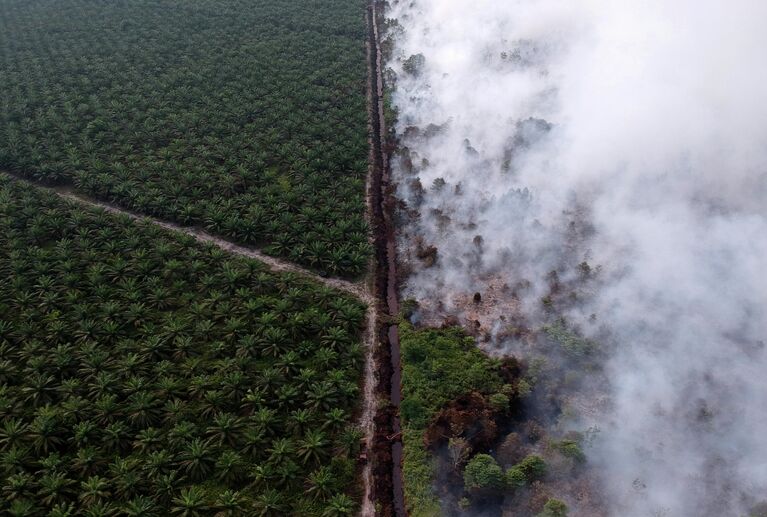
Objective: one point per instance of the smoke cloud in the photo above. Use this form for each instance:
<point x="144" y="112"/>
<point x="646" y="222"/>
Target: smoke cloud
<point x="541" y="134"/>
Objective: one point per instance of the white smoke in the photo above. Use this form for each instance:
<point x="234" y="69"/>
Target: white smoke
<point x="649" y="120"/>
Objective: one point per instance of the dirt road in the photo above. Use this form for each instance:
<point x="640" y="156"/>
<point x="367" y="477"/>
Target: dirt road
<point x="379" y="421"/>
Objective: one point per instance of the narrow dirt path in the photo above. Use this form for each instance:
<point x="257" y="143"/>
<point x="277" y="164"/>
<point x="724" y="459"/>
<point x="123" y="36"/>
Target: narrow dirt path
<point x="360" y="290"/>
<point x="385" y="480"/>
<point x="377" y="423"/>
<point x="369" y="403"/>
<point x="356" y="289"/>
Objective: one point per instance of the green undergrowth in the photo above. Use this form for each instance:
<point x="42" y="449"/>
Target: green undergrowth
<point x="438" y="365"/>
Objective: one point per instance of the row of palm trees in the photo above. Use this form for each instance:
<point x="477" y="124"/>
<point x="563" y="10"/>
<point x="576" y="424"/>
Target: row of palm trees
<point x="247" y="120"/>
<point x="144" y="374"/>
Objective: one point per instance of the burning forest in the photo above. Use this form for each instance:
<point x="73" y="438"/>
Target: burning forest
<point x="582" y="212"/>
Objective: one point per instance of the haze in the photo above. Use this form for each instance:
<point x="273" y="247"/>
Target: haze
<point x="645" y="124"/>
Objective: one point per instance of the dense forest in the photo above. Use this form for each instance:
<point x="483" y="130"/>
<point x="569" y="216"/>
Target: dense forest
<point x="143" y="374"/>
<point x="245" y="118"/>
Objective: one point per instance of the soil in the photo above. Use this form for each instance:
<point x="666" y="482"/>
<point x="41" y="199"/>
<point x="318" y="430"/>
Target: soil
<point x="468" y="416"/>
<point x="387" y="491"/>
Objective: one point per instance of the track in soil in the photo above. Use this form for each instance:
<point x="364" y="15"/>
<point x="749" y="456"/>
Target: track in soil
<point x="369" y="408"/>
<point x="387" y="486"/>
<point x="382" y="474"/>
<point x="356" y="289"/>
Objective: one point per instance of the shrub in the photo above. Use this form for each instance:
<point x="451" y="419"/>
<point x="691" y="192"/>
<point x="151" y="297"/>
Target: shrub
<point x="533" y="467"/>
<point x="499" y="402"/>
<point x="414" y="64"/>
<point x="515" y="478"/>
<point x="430" y="380"/>
<point x="554" y="508"/>
<point x="413" y="412"/>
<point x="459" y="449"/>
<point x="574" y="345"/>
<point x="571" y="449"/>
<point x="523" y="388"/>
<point x="483" y="472"/>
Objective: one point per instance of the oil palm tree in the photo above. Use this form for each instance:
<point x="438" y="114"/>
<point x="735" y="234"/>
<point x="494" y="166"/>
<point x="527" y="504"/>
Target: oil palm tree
<point x="39" y="390"/>
<point x="54" y="487"/>
<point x="93" y="491"/>
<point x="229" y="468"/>
<point x="226" y="429"/>
<point x="23" y="508"/>
<point x="270" y="503"/>
<point x="229" y="387"/>
<point x="253" y="442"/>
<point x="13" y="432"/>
<point x="18" y="486"/>
<point x="196" y="460"/>
<point x="140" y="506"/>
<point x="158" y="463"/>
<point x="103" y="509"/>
<point x="229" y="503"/>
<point x="322" y="483"/>
<point x="143" y="409"/>
<point x="190" y="503"/>
<point x="335" y="419"/>
<point x="321" y="396"/>
<point x="148" y="440"/>
<point x="88" y="460"/>
<point x="62" y="510"/>
<point x="340" y="505"/>
<point x="45" y="431"/>
<point x="312" y="449"/>
<point x="166" y="487"/>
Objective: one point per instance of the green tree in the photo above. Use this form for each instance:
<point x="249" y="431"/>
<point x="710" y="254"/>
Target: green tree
<point x="196" y="460"/>
<point x="229" y="503"/>
<point x="553" y="508"/>
<point x="483" y="472"/>
<point x="321" y="483"/>
<point x="533" y="467"/>
<point x="270" y="503"/>
<point x="93" y="491"/>
<point x="339" y="505"/>
<point x="571" y="449"/>
<point x="190" y="503"/>
<point x="499" y="402"/>
<point x="313" y="447"/>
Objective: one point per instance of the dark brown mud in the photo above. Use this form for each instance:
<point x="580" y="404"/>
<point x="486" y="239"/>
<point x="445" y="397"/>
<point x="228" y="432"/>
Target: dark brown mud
<point x="388" y="490"/>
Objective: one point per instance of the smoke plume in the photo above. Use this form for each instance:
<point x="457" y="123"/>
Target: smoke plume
<point x="538" y="135"/>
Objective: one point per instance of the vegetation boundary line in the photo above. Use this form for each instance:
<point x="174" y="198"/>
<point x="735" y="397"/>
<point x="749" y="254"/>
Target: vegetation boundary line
<point x="387" y="492"/>
<point x="357" y="289"/>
